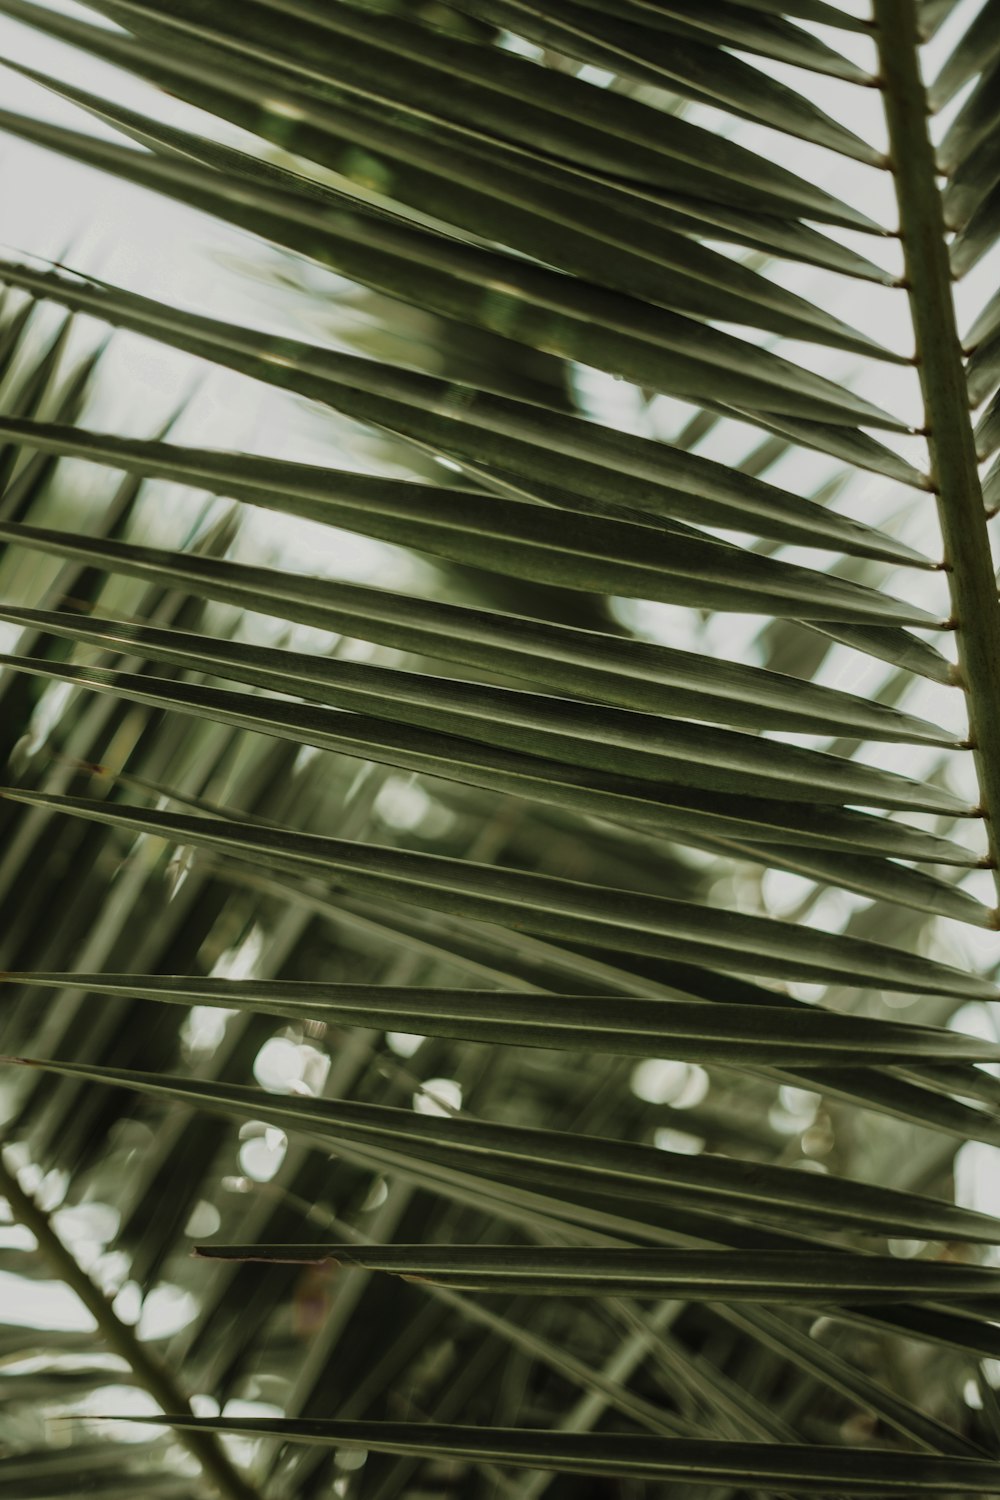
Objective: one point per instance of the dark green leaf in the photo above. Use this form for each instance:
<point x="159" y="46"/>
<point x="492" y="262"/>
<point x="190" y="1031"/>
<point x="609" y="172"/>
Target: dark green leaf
<point x="718" y="1033"/>
<point x="717" y="1275"/>
<point x="552" y="907"/>
<point x="567" y="1165"/>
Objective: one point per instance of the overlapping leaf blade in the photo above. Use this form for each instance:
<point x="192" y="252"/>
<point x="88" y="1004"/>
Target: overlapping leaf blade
<point x="740" y="1035"/>
<point x="816" y="1470"/>
<point x="552" y="907"/>
<point x="565" y="1165"/>
<point x="760" y="1276"/>
<point x="584" y="204"/>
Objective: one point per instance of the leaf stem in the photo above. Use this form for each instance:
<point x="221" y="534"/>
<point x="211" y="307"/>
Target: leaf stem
<point x="122" y="1339"/>
<point x="950" y="441"/>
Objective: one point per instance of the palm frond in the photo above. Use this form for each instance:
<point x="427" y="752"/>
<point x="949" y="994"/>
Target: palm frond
<point x="500" y="679"/>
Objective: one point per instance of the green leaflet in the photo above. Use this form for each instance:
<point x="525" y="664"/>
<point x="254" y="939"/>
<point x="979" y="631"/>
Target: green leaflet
<point x="497" y="94"/>
<point x="100" y="1466"/>
<point x="681" y="808"/>
<point x="898" y="647"/>
<point x="715" y="1033"/>
<point x="744" y="27"/>
<point x="585" y="207"/>
<point x="975" y="50"/>
<point x="983" y="368"/>
<point x="974" y="123"/>
<point x="851" y="445"/>
<point x="475" y="426"/>
<point x="675" y="811"/>
<point x="485" y="184"/>
<point x="496" y="955"/>
<point x="970" y="183"/>
<point x="991" y="487"/>
<point x="564" y="660"/>
<point x="536" y="216"/>
<point x="518" y="1207"/>
<point x="877" y="879"/>
<point x="979" y="230"/>
<point x="573" y="1165"/>
<point x="817" y="1470"/>
<point x="620" y="743"/>
<point x="552" y="907"/>
<point x="603" y="1213"/>
<point x="932" y="14"/>
<point x="978" y="234"/>
<point x="503" y="294"/>
<point x="501" y="532"/>
<point x="729" y="578"/>
<point x="708" y="1275"/>
<point x="618" y="37"/>
<point x="988" y="429"/>
<point x="781" y="1333"/>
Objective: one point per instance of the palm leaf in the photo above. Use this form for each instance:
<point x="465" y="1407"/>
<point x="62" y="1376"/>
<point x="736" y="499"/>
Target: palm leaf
<point x="441" y="745"/>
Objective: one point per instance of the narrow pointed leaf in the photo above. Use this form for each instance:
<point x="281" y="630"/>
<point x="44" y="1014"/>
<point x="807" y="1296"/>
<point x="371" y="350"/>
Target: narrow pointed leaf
<point x="706" y="1275"/>
<point x="488" y="531"/>
<point x="851" y="445"/>
<point x="553" y="907"/>
<point x="502" y="294"/>
<point x="675" y="811"/>
<point x="571" y="1164"/>
<point x="535" y="212"/>
<point x="818" y="1361"/>
<point x="976" y="49"/>
<point x="750" y="27"/>
<point x="983" y="368"/>
<point x="484" y="184"/>
<point x="570" y="662"/>
<point x="615" y="741"/>
<point x="497" y="93"/>
<point x="715" y="1033"/>
<point x="466" y="424"/>
<point x="764" y="582"/>
<point x="842" y="1471"/>
<point x="619" y="37"/>
<point x="879" y="880"/>
<point x="898" y="647"/>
